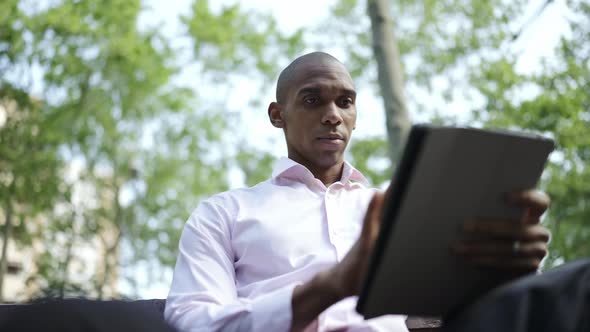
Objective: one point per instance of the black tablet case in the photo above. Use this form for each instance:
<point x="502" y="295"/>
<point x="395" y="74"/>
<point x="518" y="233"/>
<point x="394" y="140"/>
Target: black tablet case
<point x="446" y="176"/>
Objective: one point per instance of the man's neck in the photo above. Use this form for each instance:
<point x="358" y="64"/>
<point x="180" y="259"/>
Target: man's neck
<point x="327" y="175"/>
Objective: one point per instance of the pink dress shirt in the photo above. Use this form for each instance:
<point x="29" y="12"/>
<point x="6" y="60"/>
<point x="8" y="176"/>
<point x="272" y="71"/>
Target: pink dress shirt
<point x="242" y="252"/>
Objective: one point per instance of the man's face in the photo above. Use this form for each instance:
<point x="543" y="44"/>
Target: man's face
<point x="319" y="114"/>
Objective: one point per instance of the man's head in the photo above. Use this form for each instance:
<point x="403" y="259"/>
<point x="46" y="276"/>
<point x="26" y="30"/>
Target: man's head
<point x="316" y="109"/>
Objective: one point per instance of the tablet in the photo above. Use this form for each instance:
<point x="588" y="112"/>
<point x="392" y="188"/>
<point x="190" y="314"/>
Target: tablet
<point x="446" y="176"/>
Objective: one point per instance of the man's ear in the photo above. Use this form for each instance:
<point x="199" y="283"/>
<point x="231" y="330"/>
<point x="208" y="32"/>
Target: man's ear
<point x="275" y="114"/>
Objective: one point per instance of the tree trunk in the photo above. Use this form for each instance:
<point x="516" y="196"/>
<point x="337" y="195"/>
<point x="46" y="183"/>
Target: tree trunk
<point x="66" y="263"/>
<point x="111" y="251"/>
<point x="110" y="262"/>
<point x="391" y="83"/>
<point x="390" y="77"/>
<point x="6" y="235"/>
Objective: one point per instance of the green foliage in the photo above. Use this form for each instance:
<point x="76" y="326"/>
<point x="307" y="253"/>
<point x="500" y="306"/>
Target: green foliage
<point x="437" y="40"/>
<point x="29" y="162"/>
<point x="106" y="89"/>
<point x="234" y="43"/>
<point x="255" y="164"/>
<point x="111" y="77"/>
<point x="558" y="106"/>
<point x="370" y="156"/>
<point x="29" y="182"/>
<point x="235" y="40"/>
<point x="175" y="175"/>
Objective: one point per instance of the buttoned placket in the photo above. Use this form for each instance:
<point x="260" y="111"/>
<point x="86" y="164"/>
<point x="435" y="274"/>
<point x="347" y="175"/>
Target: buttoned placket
<point x="333" y="218"/>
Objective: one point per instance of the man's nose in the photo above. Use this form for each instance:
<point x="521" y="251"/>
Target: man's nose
<point x="332" y="115"/>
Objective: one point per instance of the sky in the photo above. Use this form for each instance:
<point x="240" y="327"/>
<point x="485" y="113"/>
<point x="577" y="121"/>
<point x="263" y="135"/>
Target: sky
<point x="538" y="41"/>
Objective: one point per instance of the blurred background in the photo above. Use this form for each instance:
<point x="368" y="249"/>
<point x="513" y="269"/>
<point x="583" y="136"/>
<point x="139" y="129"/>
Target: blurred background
<point x="118" y="116"/>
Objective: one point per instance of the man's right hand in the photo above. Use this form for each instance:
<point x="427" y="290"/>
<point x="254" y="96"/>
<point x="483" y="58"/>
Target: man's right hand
<point x="344" y="279"/>
<point x="347" y="276"/>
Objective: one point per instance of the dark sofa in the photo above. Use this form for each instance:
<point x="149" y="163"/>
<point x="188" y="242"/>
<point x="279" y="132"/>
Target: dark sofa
<point x="86" y="315"/>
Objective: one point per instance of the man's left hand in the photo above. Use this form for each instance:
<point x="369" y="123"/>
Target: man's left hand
<point x="518" y="246"/>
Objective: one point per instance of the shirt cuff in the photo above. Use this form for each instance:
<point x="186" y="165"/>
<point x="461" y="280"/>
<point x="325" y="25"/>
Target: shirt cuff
<point x="273" y="311"/>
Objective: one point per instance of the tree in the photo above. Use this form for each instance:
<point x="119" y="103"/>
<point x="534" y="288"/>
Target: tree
<point x="389" y="73"/>
<point x="239" y="41"/>
<point x="29" y="163"/>
<point x="558" y="108"/>
<point x="29" y="184"/>
<point x="236" y="43"/>
<point x="104" y="82"/>
<point x="112" y="78"/>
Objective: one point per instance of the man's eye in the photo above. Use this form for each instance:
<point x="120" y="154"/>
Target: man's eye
<point x="310" y="100"/>
<point x="345" y="102"/>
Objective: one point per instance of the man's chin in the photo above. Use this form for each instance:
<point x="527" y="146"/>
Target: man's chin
<point x="329" y="159"/>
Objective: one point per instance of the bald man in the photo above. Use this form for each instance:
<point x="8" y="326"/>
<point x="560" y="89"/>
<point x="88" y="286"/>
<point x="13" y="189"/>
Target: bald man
<point x="289" y="253"/>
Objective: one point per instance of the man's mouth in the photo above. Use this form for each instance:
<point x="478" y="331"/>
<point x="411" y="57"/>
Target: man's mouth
<point x="332" y="142"/>
<point x="331" y="137"/>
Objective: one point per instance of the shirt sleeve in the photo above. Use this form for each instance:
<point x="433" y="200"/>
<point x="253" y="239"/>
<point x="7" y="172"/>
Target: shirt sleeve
<point x="203" y="294"/>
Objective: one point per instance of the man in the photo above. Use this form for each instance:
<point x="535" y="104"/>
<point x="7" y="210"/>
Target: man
<point x="286" y="254"/>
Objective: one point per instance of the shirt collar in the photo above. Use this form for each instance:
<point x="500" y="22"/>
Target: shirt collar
<point x="289" y="168"/>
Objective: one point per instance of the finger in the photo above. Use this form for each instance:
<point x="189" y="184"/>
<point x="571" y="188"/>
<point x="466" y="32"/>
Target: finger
<point x="500" y="249"/>
<point x="516" y="264"/>
<point x="534" y="202"/>
<point x="510" y="231"/>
